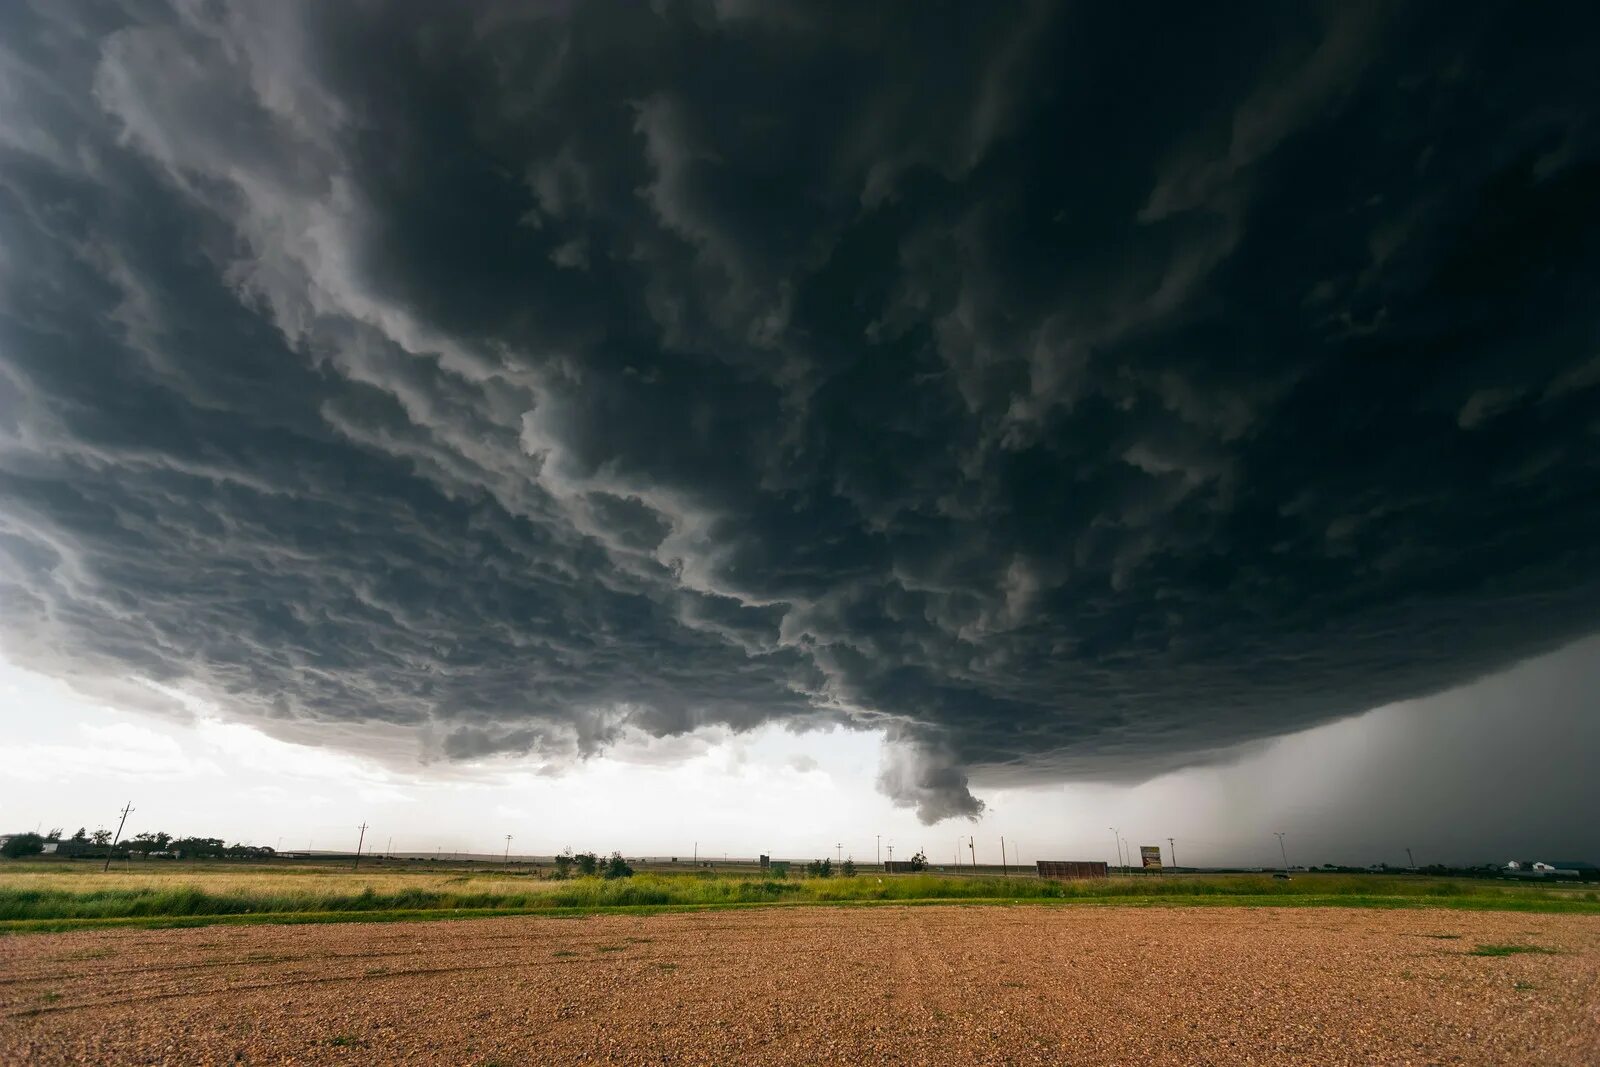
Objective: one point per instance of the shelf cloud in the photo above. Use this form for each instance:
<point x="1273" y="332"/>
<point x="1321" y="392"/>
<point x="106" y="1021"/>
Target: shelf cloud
<point x="1067" y="393"/>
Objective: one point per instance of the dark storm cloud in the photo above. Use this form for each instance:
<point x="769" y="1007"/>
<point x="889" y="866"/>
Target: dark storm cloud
<point x="1065" y="392"/>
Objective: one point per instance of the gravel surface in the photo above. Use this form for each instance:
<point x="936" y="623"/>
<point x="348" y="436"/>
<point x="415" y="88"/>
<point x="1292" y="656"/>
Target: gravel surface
<point x="959" y="985"/>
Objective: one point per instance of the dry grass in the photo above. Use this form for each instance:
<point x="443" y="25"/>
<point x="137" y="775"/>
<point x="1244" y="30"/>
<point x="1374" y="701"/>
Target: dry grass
<point x="254" y="880"/>
<point x="63" y="894"/>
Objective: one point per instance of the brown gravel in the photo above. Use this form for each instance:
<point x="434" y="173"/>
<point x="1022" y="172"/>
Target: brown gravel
<point x="1023" y="985"/>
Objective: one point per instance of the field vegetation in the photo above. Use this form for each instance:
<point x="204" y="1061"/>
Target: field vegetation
<point x="44" y="895"/>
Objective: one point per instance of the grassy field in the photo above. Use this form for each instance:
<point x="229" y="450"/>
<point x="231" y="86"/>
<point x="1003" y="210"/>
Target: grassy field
<point x="57" y="895"/>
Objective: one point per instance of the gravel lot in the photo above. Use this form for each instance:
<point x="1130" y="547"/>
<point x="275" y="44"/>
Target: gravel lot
<point x="953" y="985"/>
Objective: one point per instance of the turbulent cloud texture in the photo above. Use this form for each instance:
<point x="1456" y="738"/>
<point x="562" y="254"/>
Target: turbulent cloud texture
<point x="1062" y="391"/>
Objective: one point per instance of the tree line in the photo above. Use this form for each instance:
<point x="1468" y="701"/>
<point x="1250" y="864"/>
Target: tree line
<point x="144" y="844"/>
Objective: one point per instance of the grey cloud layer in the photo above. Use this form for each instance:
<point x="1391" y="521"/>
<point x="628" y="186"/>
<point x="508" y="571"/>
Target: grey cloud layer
<point x="1063" y="396"/>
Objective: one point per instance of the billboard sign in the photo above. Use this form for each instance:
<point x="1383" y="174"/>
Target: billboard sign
<point x="1150" y="855"/>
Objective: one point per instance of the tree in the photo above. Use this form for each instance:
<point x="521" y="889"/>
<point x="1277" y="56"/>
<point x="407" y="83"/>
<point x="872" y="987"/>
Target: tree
<point x="820" y="868"/>
<point x="564" y="864"/>
<point x="54" y="834"/>
<point x="848" y="868"/>
<point x="616" y="867"/>
<point x="82" y="835"/>
<point x="148" y="842"/>
<point x="102" y="837"/>
<point x="191" y="847"/>
<point x="588" y="863"/>
<point x="19" y="845"/>
<point x="919" y="862"/>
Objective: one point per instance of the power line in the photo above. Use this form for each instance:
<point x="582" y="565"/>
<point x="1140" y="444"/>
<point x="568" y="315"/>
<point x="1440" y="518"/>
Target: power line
<point x="126" y="808"/>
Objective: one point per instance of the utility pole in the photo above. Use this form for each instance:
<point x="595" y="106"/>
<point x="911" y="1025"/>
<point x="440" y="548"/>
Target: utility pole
<point x="1116" y="836"/>
<point x="880" y="850"/>
<point x="1284" y="851"/>
<point x="838" y="853"/>
<point x="972" y="847"/>
<point x="1409" y="858"/>
<point x="697" y="853"/>
<point x="1172" y="850"/>
<point x="1005" y="872"/>
<point x="389" y="847"/>
<point x="508" y="850"/>
<point x="359" y="841"/>
<point x="118" y="836"/>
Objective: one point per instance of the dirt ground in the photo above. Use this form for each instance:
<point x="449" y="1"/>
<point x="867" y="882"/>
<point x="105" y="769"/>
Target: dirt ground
<point x="958" y="985"/>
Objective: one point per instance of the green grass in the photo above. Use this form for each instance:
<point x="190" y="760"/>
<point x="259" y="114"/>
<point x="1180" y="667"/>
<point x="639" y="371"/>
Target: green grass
<point x="77" y="897"/>
<point x="1510" y="950"/>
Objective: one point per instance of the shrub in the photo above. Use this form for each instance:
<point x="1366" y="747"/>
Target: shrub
<point x="820" y="868"/>
<point x="616" y="867"/>
<point x="848" y="868"/>
<point x="588" y="863"/>
<point x="564" y="864"/>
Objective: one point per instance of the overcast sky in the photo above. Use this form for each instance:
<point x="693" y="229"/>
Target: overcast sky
<point x="752" y="415"/>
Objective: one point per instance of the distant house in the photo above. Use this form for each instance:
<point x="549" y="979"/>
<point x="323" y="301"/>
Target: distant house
<point x="1553" y="869"/>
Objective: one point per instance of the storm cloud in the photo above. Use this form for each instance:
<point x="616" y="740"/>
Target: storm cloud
<point x="1066" y="392"/>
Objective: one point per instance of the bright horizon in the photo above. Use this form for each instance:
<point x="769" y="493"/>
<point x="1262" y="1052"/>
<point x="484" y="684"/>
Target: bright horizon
<point x="75" y="762"/>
